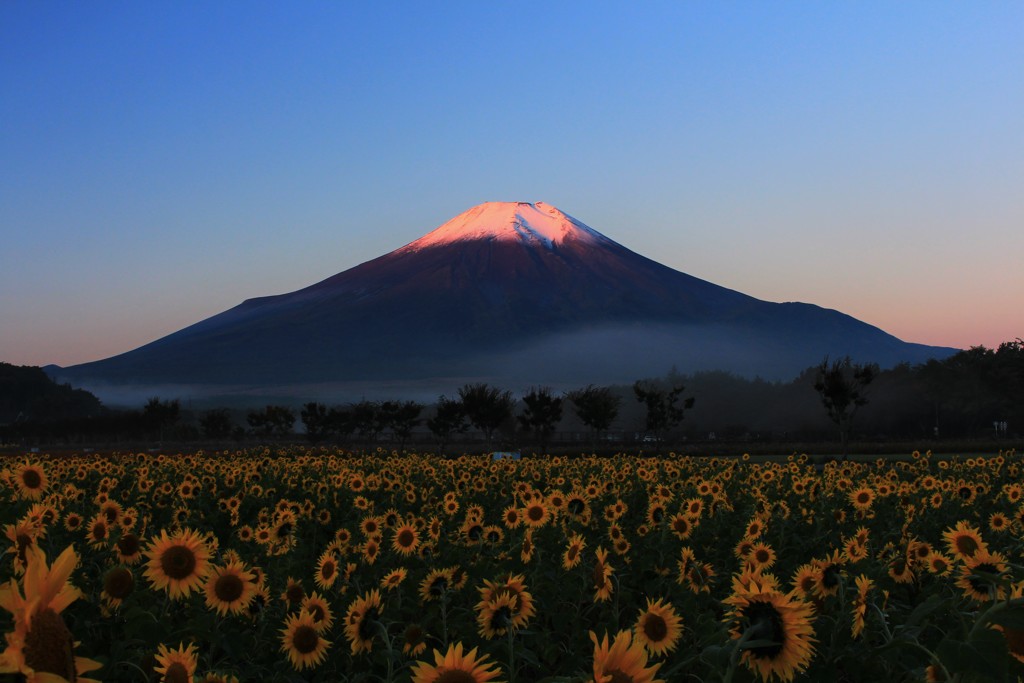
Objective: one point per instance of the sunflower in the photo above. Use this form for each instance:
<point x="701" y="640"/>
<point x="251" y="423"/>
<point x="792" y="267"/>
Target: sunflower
<point x="414" y="640"/>
<point x="602" y="575"/>
<point x="573" y="552"/>
<point x="860" y="604"/>
<point x="511" y="517"/>
<point x="293" y="592"/>
<point x="176" y="666"/>
<point x="230" y="588"/>
<point x="804" y="580"/>
<point x="999" y="522"/>
<point x="406" y="540"/>
<point x="527" y="548"/>
<point x="31" y="481"/>
<point x="658" y="628"/>
<point x="623" y="660"/>
<point x="761" y="556"/>
<point x="939" y="564"/>
<point x="177" y="563"/>
<point x="23" y="535"/>
<point x="494" y="616"/>
<point x="979" y="576"/>
<point x="764" y="614"/>
<point x="326" y="570"/>
<point x="362" y="620"/>
<point x="522" y="610"/>
<point x="317" y="606"/>
<point x="682" y="526"/>
<point x="964" y="541"/>
<point x="41" y="648"/>
<point x="435" y="585"/>
<point x="862" y="498"/>
<point x="536" y="513"/>
<point x="118" y="584"/>
<point x="826" y="579"/>
<point x="1014" y="636"/>
<point x="128" y="548"/>
<point x="302" y="642"/>
<point x="394" y="578"/>
<point x="98" y="531"/>
<point x="455" y="666"/>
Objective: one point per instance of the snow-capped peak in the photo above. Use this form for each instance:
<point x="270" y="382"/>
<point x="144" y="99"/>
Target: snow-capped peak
<point x="509" y="221"/>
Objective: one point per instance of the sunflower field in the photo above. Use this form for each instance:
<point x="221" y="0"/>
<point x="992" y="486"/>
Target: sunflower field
<point x="317" y="564"/>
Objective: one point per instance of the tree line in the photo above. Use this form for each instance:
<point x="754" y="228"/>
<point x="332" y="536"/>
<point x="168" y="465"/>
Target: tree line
<point x="974" y="393"/>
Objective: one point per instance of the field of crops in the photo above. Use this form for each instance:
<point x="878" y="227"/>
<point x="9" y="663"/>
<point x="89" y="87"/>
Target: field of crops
<point x="322" y="565"/>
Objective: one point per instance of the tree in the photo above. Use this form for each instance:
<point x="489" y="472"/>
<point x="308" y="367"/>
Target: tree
<point x="271" y="421"/>
<point x="842" y="386"/>
<point x="541" y="415"/>
<point x="367" y="419"/>
<point x="663" y="413"/>
<point x="596" y="407"/>
<point x="159" y="415"/>
<point x="317" y="420"/>
<point x="449" y="420"/>
<point x="216" y="424"/>
<point x="402" y="418"/>
<point x="486" y="407"/>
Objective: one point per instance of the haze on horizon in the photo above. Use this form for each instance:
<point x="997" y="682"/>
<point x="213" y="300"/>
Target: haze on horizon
<point x="162" y="163"/>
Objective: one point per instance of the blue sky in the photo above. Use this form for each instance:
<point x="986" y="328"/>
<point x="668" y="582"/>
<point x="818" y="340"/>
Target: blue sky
<point x="163" y="161"/>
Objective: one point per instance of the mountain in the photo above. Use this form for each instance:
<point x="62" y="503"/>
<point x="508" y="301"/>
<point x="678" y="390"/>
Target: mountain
<point x="508" y="292"/>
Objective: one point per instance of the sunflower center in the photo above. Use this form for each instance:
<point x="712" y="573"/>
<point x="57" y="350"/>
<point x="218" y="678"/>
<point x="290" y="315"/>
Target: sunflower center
<point x="128" y="544"/>
<point x="305" y="639"/>
<point x="367" y="622"/>
<point x="406" y="538"/>
<point x="655" y="628"/>
<point x="48" y="646"/>
<point x="118" y="583"/>
<point x="599" y="575"/>
<point x="657" y="514"/>
<point x="294" y="593"/>
<point x="23" y="541"/>
<point x="576" y="506"/>
<point x="455" y="676"/>
<point x="830" y="576"/>
<point x="178" y="562"/>
<point x="767" y="622"/>
<point x="328" y="570"/>
<point x="31" y="479"/>
<point x="228" y="588"/>
<point x="978" y="584"/>
<point x="413" y="634"/>
<point x="176" y="673"/>
<point x="99" y="531"/>
<point x="619" y="676"/>
<point x="966" y="545"/>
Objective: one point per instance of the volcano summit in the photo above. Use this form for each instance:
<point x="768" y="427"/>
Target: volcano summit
<point x="508" y="292"/>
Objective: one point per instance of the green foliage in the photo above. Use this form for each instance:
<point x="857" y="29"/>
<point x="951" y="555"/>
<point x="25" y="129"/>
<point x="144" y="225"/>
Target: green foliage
<point x="542" y="413"/>
<point x="663" y="410"/>
<point x="486" y="407"/>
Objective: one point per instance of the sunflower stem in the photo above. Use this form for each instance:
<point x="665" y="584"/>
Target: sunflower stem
<point x="511" y="656"/>
<point x="734" y="658"/>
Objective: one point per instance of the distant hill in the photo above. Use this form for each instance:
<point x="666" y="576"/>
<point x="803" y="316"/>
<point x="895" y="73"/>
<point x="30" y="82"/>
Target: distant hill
<point x="509" y="292"/>
<point x="28" y="394"/>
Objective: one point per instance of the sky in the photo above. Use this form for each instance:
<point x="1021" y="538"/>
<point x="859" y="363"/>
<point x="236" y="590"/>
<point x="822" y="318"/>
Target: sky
<point x="161" y="162"/>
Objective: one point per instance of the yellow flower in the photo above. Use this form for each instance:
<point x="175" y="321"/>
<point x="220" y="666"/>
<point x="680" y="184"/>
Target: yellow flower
<point x="622" y="660"/>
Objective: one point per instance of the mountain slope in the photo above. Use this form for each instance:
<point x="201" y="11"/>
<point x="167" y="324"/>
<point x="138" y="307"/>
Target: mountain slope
<point x="503" y="284"/>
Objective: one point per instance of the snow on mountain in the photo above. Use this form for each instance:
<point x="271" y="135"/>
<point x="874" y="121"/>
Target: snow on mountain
<point x="509" y="221"/>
